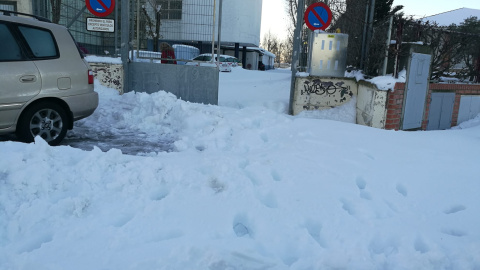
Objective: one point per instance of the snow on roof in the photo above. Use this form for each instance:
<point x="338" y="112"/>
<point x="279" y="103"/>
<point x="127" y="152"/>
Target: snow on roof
<point x="455" y="16"/>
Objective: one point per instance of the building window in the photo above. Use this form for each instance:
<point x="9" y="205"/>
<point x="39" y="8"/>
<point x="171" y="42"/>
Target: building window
<point x="8" y="5"/>
<point x="170" y="9"/>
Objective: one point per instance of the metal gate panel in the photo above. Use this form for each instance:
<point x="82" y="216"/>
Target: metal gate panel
<point x="189" y="83"/>
<point x="469" y="108"/>
<point x="416" y="90"/>
<point x="441" y="110"/>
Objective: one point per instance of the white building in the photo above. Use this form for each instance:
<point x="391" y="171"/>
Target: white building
<point x="187" y="20"/>
<point x="240" y="23"/>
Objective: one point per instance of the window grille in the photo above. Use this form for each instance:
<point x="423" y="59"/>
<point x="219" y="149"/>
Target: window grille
<point x="8" y="5"/>
<point x="170" y="9"/>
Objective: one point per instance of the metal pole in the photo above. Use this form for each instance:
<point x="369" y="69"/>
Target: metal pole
<point x="219" y="47"/>
<point x="364" y="37"/>
<point x="370" y="28"/>
<point x="124" y="42"/>
<point x="138" y="27"/>
<point x="296" y="51"/>
<point x="389" y="36"/>
<point x="213" y="30"/>
<point x="116" y="31"/>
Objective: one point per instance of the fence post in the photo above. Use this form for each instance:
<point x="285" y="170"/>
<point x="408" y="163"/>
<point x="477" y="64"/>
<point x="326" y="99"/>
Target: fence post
<point x="125" y="42"/>
<point x="219" y="47"/>
<point x="296" y="51"/>
<point x="389" y="36"/>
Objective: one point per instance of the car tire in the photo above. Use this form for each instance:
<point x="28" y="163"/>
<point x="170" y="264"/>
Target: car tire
<point x="47" y="120"/>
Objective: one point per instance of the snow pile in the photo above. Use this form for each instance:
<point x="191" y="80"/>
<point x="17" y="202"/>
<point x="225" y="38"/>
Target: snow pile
<point x="470" y="123"/>
<point x="103" y="59"/>
<point x="387" y="82"/>
<point x="246" y="187"/>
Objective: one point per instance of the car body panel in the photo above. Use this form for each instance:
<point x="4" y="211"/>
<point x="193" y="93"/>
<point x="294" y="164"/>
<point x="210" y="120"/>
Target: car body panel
<point x="82" y="105"/>
<point x="63" y="77"/>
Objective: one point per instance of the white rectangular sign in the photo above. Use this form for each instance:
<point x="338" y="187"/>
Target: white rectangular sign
<point x="100" y="25"/>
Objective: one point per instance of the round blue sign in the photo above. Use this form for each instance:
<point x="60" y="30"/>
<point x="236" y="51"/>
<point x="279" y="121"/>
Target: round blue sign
<point x="318" y="16"/>
<point x="100" y="8"/>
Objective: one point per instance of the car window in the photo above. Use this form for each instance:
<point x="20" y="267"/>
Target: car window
<point x="222" y="59"/>
<point x="40" y="41"/>
<point x="10" y="50"/>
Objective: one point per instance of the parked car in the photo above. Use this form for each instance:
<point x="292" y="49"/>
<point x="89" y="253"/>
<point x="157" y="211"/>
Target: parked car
<point x="45" y="82"/>
<point x="185" y="52"/>
<point x="231" y="60"/>
<point x="206" y="60"/>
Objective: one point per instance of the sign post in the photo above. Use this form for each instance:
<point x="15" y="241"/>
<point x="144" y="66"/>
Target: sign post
<point x="318" y="16"/>
<point x="100" y="8"/>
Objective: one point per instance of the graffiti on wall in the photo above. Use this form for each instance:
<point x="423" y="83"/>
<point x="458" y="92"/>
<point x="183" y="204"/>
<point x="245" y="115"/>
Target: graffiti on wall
<point x="109" y="75"/>
<point x="317" y="93"/>
<point x="330" y="88"/>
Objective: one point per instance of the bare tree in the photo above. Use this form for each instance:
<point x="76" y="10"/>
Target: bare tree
<point x="56" y="8"/>
<point x="349" y="17"/>
<point x="455" y="49"/>
<point x="470" y="49"/>
<point x="271" y="43"/>
<point x="152" y="15"/>
<point x="286" y="51"/>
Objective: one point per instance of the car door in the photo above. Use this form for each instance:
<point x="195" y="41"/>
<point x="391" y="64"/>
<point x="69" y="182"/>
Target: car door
<point x="19" y="77"/>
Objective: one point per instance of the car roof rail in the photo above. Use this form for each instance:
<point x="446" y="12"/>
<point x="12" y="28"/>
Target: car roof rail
<point x="9" y="13"/>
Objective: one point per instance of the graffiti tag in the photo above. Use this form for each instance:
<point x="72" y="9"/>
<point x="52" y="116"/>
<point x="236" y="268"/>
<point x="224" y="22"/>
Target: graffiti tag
<point x="319" y="87"/>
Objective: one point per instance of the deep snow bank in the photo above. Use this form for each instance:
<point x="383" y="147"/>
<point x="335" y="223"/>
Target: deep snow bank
<point x="247" y="187"/>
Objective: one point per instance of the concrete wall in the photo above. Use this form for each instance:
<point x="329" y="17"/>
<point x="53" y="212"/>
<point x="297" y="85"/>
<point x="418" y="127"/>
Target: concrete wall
<point x="189" y="83"/>
<point x="318" y="93"/>
<point x="371" y="105"/>
<point x="109" y="75"/>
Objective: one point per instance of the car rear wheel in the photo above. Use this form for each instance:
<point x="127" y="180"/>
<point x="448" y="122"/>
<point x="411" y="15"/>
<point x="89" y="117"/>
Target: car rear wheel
<point x="47" y="120"/>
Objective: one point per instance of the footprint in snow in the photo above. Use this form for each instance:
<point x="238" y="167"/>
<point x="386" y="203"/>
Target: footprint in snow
<point x="402" y="190"/>
<point x="454" y="209"/>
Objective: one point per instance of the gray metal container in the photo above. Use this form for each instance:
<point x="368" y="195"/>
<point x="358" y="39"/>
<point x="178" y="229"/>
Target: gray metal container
<point x="328" y="54"/>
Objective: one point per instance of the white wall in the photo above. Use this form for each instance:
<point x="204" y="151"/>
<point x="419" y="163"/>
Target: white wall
<point x="241" y="22"/>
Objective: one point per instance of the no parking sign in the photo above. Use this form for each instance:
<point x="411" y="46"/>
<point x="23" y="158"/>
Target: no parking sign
<point x="318" y="16"/>
<point x="100" y="8"/>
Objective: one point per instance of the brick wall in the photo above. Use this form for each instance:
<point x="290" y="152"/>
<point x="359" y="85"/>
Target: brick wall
<point x="395" y="107"/>
<point x="396" y="98"/>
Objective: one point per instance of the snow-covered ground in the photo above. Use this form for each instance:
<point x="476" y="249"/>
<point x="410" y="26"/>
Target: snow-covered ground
<point x="243" y="186"/>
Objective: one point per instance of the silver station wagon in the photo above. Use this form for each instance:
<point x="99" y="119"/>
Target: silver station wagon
<point x="45" y="82"/>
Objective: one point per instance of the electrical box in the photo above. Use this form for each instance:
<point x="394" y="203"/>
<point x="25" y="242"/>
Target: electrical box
<point x="328" y="54"/>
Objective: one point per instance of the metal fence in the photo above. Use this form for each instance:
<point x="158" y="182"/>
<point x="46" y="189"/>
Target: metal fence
<point x="73" y="14"/>
<point x="188" y="24"/>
